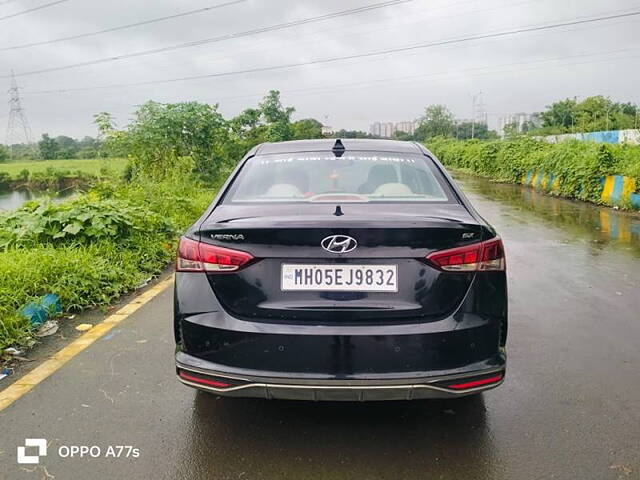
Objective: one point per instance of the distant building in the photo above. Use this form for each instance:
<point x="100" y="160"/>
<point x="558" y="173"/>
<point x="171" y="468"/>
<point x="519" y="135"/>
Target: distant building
<point x="407" y="127"/>
<point x="388" y="129"/>
<point x="519" y="120"/>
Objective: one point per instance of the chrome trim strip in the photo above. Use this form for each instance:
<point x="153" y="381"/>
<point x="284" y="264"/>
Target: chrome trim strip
<point x="410" y="387"/>
<point x="268" y="386"/>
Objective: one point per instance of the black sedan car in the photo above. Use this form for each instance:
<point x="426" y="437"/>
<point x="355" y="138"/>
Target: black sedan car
<point x="341" y="270"/>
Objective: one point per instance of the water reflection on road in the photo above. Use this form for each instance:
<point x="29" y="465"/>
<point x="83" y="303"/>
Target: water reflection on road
<point x="602" y="226"/>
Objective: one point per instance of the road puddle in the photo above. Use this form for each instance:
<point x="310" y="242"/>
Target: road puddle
<point x="599" y="225"/>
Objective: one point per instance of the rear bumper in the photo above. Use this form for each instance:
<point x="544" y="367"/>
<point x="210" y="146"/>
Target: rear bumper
<point x="340" y="352"/>
<point x="213" y="378"/>
<point x="347" y="361"/>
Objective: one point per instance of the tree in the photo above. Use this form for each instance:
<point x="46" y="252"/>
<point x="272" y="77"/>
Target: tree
<point x="88" y="147"/>
<point x="110" y="142"/>
<point x="306" y="128"/>
<point x="48" y="147"/>
<point x="105" y="122"/>
<point x="436" y="121"/>
<point x="400" y="135"/>
<point x="528" y="126"/>
<point x="352" y="134"/>
<point x="4" y="153"/>
<point x="270" y="122"/>
<point x="466" y="130"/>
<point x="560" y="114"/>
<point x="276" y="117"/>
<point x="511" y="130"/>
<point x="593" y="113"/>
<point x="170" y="139"/>
<point x="67" y="147"/>
<point x="590" y="115"/>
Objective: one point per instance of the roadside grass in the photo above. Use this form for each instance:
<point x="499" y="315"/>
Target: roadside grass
<point x="87" y="166"/>
<point x="91" y="256"/>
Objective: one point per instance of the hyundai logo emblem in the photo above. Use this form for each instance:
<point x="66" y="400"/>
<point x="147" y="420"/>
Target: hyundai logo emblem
<point x="339" y="244"/>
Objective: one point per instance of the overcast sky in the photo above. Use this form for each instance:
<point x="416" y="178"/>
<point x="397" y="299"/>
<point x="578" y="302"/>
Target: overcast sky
<point x="522" y="72"/>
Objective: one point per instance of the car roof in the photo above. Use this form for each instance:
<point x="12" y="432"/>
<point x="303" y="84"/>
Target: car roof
<point x="326" y="144"/>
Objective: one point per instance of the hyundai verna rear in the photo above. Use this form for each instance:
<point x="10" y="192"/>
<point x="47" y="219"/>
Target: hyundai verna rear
<point x="341" y="270"/>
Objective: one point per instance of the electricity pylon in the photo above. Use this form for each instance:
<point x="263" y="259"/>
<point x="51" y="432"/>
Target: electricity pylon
<point x="18" y="130"/>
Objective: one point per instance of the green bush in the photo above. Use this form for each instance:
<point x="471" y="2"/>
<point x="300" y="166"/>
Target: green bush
<point x="578" y="166"/>
<point x="93" y="249"/>
<point x="23" y="176"/>
<point x="85" y="220"/>
<point x="4" y="153"/>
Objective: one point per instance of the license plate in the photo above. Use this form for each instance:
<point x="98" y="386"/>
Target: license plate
<point x="340" y="278"/>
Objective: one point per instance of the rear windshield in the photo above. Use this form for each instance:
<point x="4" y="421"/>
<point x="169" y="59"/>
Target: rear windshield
<point x="354" y="177"/>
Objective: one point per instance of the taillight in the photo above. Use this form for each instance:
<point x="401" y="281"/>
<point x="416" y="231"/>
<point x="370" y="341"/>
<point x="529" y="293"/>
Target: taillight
<point x="196" y="256"/>
<point x="478" y="257"/>
<point x="203" y="381"/>
<point x="476" y="383"/>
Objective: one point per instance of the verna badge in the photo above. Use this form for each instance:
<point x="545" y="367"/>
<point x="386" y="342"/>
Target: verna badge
<point x="339" y="244"/>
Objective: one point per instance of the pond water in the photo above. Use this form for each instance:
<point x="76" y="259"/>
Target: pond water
<point x="13" y="199"/>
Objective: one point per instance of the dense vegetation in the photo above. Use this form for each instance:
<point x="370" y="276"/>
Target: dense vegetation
<point x="50" y="148"/>
<point x="439" y="121"/>
<point x="92" y="249"/>
<point x="592" y="114"/>
<point x="578" y="166"/>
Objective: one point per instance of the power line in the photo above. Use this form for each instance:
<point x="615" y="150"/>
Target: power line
<point x="353" y="56"/>
<point x="46" y="5"/>
<point x="200" y="10"/>
<point x="122" y="27"/>
<point x="466" y="73"/>
<point x="229" y="36"/>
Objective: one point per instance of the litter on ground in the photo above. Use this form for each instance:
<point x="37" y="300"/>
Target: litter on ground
<point x="48" y="328"/>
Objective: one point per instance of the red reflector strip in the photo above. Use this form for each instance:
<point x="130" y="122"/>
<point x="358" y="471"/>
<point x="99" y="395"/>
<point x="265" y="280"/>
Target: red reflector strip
<point x="476" y="383"/>
<point x="204" y="381"/>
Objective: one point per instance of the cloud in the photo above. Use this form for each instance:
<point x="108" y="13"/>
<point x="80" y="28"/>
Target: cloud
<point x="519" y="73"/>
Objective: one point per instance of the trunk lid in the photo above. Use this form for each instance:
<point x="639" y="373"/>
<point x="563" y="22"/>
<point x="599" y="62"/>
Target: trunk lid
<point x="386" y="235"/>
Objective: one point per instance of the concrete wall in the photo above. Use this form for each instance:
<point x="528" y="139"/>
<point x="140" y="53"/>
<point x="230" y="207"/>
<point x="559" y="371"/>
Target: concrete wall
<point x="616" y="189"/>
<point x="611" y="136"/>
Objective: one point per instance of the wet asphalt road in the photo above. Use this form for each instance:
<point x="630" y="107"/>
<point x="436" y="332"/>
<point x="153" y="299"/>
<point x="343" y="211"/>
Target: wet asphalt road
<point x="570" y="408"/>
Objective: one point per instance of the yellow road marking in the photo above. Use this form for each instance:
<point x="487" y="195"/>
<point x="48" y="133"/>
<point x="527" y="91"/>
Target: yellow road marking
<point x="48" y="367"/>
